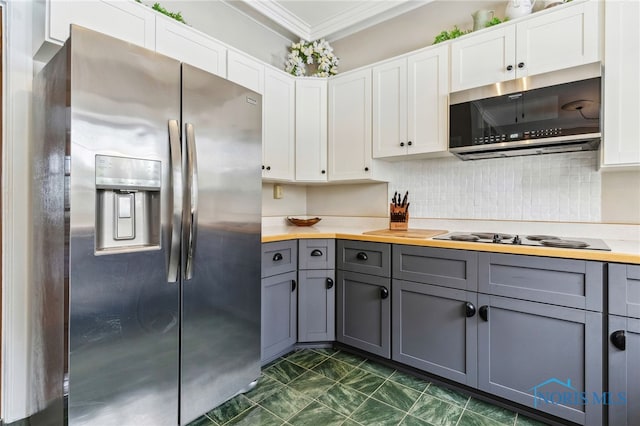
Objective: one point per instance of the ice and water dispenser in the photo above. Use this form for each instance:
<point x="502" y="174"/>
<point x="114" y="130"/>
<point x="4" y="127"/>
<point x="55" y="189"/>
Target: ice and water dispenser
<point x="128" y="209"/>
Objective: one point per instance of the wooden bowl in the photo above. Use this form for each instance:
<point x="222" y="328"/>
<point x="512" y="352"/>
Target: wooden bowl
<point x="303" y="222"/>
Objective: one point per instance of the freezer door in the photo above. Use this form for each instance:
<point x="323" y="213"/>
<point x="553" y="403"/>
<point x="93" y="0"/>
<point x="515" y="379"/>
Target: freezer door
<point x="220" y="343"/>
<point x="123" y="311"/>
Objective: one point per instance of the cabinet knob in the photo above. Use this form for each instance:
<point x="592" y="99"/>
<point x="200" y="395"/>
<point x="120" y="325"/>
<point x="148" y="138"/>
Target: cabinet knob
<point x="268" y="167"/>
<point x="619" y="340"/>
<point x="362" y="256"/>
<point x="293" y="285"/>
<point x="509" y="67"/>
<point x="384" y="293"/>
<point x="323" y="172"/>
<point x="401" y="143"/>
<point x="329" y="283"/>
<point x="409" y="143"/>
<point x="277" y="257"/>
<point x="520" y="64"/>
<point x="366" y="169"/>
<point x="484" y="312"/>
<point x="263" y="167"/>
<point x="316" y="253"/>
<point x="469" y="309"/>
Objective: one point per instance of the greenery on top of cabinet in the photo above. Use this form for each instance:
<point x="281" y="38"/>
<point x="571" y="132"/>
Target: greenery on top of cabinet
<point x="158" y="8"/>
<point x="449" y="35"/>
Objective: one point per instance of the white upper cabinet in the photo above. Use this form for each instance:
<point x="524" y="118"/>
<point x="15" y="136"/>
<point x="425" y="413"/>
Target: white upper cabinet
<point x="559" y="38"/>
<point x="311" y="129"/>
<point x="126" y="20"/>
<point x="182" y="42"/>
<point x="245" y="71"/>
<point x="621" y="135"/>
<point x="390" y="108"/>
<point x="278" y="126"/>
<point x="350" y="127"/>
<point x="410" y="104"/>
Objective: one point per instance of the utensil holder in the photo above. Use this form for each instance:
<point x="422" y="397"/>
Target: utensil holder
<point x="398" y="217"/>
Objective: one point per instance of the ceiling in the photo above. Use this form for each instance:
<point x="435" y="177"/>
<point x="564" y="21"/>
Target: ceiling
<point x="329" y="19"/>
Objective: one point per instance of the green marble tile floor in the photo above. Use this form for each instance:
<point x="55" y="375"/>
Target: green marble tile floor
<point x="327" y="387"/>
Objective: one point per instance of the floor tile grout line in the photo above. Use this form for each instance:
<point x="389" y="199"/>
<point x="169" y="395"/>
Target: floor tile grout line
<point x="463" y="410"/>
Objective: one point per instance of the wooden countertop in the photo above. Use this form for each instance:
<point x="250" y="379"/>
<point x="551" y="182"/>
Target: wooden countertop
<point x="622" y="251"/>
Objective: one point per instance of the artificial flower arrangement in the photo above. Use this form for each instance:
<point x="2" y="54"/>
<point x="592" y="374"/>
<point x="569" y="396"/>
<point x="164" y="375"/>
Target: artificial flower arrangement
<point x="306" y="53"/>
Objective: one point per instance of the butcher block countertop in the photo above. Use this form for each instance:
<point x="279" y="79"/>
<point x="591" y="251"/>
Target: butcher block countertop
<point x="622" y="251"/>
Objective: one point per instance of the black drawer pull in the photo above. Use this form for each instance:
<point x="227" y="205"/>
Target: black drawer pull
<point x="293" y="285"/>
<point x="484" y="312"/>
<point x="316" y="253"/>
<point x="362" y="256"/>
<point x="469" y="309"/>
<point x="384" y="293"/>
<point x="619" y="340"/>
<point x="277" y="257"/>
<point x="329" y="283"/>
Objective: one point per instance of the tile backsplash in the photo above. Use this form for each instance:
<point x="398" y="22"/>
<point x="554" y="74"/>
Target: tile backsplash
<point x="557" y="187"/>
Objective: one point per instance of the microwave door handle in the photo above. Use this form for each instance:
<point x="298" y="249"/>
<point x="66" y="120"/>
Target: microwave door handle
<point x="176" y="189"/>
<point x="192" y="188"/>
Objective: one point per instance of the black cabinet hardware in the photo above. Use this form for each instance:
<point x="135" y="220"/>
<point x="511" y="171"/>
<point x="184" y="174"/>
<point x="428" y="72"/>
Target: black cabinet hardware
<point x="323" y="172"/>
<point x="366" y="169"/>
<point x="362" y="256"/>
<point x="521" y="65"/>
<point x="384" y="293"/>
<point x="329" y="283"/>
<point x="263" y="167"/>
<point x="509" y="67"/>
<point x="484" y="312"/>
<point x="619" y="340"/>
<point x="293" y="285"/>
<point x="268" y="167"/>
<point x="277" y="257"/>
<point x="401" y="143"/>
<point x="469" y="309"/>
<point x="316" y="253"/>
<point x="409" y="143"/>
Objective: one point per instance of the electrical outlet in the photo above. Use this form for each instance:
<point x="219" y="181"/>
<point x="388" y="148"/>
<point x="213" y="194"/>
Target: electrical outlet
<point x="277" y="192"/>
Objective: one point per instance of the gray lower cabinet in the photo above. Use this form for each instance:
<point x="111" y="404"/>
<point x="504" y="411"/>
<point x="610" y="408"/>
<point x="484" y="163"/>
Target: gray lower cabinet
<point x="434" y="329"/>
<point x="364" y="312"/>
<point x="624" y="371"/>
<point x="279" y="315"/>
<point x="279" y="292"/>
<point x="316" y="300"/>
<point x="554" y="352"/>
<point x="624" y="344"/>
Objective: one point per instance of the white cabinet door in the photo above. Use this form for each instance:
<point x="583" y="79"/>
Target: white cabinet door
<point x="428" y="90"/>
<point x="126" y="20"/>
<point x="278" y="126"/>
<point x="559" y="38"/>
<point x="311" y="129"/>
<point x="565" y="38"/>
<point x="350" y="126"/>
<point x="621" y="136"/>
<point x="245" y="71"/>
<point x="191" y="46"/>
<point x="390" y="108"/>
<point x="484" y="58"/>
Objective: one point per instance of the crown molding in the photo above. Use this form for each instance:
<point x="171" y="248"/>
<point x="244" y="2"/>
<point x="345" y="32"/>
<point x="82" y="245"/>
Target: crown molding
<point x="349" y="21"/>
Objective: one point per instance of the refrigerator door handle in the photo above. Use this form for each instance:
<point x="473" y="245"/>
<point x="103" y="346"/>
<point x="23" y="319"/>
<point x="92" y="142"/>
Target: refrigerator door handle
<point x="176" y="188"/>
<point x="192" y="187"/>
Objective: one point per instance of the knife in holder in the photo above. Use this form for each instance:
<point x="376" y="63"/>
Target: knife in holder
<point x="398" y="217"/>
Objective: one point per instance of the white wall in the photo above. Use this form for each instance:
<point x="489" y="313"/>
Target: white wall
<point x="15" y="210"/>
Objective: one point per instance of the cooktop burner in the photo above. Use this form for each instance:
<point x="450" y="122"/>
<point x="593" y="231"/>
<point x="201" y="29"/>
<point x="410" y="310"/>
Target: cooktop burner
<point x="528" y="240"/>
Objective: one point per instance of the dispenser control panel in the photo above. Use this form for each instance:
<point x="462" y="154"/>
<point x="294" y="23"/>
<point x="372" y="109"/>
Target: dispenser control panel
<point x="125" y="173"/>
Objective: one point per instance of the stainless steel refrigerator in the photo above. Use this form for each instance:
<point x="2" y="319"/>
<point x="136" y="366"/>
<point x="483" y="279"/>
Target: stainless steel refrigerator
<point x="147" y="212"/>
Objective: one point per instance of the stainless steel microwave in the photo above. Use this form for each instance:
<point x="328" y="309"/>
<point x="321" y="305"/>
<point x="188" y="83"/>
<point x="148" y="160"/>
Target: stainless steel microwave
<point x="558" y="118"/>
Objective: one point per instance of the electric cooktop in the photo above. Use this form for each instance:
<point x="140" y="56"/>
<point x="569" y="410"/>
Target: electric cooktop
<point x="526" y="240"/>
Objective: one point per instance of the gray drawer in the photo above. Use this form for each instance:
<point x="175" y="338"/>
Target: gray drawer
<point x="317" y="254"/>
<point x="624" y="290"/>
<point x="364" y="257"/>
<point x="279" y="257"/>
<point x="563" y="282"/>
<point x="443" y="267"/>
